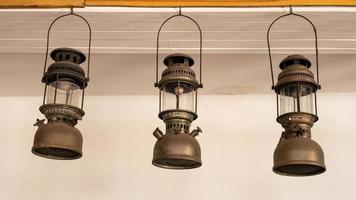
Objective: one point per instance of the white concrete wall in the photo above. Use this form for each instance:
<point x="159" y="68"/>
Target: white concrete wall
<point x="240" y="134"/>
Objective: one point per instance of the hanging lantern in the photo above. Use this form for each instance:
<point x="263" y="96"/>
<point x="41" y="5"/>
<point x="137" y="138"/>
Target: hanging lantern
<point x="63" y="101"/>
<point x="178" y="148"/>
<point x="296" y="153"/>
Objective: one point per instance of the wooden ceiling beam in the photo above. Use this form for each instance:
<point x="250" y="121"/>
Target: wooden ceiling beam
<point x="41" y="3"/>
<point x="219" y="3"/>
<point x="170" y="3"/>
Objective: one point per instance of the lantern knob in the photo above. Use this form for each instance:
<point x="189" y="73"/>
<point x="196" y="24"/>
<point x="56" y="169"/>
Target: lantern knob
<point x="158" y="133"/>
<point x="178" y="58"/>
<point x="295" y="59"/>
<point x="196" y="132"/>
<point x="68" y="54"/>
<point x="39" y="122"/>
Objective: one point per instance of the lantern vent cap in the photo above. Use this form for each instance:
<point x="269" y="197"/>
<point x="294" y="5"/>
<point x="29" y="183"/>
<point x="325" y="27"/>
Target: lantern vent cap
<point x="168" y="115"/>
<point x="178" y="71"/>
<point x="295" y="71"/>
<point x="294" y="59"/>
<point x="66" y="67"/>
<point x="178" y="58"/>
<point x="68" y="54"/>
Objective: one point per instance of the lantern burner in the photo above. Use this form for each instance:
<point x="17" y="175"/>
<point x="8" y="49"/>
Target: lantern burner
<point x="60" y="112"/>
<point x="177" y="121"/>
<point x="297" y="124"/>
<point x="177" y="114"/>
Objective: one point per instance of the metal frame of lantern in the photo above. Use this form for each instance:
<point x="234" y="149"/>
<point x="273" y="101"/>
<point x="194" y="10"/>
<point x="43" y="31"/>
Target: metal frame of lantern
<point x="296" y="153"/>
<point x="63" y="101"/>
<point x="178" y="148"/>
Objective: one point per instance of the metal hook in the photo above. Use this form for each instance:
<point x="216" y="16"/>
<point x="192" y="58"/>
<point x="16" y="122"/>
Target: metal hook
<point x="71" y="10"/>
<point x="291" y="10"/>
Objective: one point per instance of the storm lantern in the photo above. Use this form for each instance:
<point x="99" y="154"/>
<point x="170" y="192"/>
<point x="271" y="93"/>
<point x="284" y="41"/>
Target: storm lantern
<point x="63" y="100"/>
<point x="178" y="147"/>
<point x="296" y="153"/>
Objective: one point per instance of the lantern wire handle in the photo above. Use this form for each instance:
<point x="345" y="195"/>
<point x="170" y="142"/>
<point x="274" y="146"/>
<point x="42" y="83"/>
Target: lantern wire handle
<point x="316" y="44"/>
<point x="200" y="44"/>
<point x="89" y="43"/>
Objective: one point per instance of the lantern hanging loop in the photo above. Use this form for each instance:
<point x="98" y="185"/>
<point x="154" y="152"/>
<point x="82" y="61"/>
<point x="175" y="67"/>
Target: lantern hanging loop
<point x="200" y="43"/>
<point x="315" y="38"/>
<point x="71" y="13"/>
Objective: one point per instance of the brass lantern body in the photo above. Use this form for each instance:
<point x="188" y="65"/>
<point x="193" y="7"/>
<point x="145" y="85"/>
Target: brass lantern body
<point x="177" y="151"/>
<point x="296" y="153"/>
<point x="298" y="156"/>
<point x="178" y="148"/>
<point x="58" y="138"/>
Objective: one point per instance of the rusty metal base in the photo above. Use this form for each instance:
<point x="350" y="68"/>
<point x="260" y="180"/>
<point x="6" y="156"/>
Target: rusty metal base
<point x="176" y="163"/>
<point x="56" y="153"/>
<point x="298" y="156"/>
<point x="177" y="151"/>
<point x="57" y="140"/>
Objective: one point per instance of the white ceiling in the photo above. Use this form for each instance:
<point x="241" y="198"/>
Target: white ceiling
<point x="133" y="30"/>
<point x="234" y="46"/>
